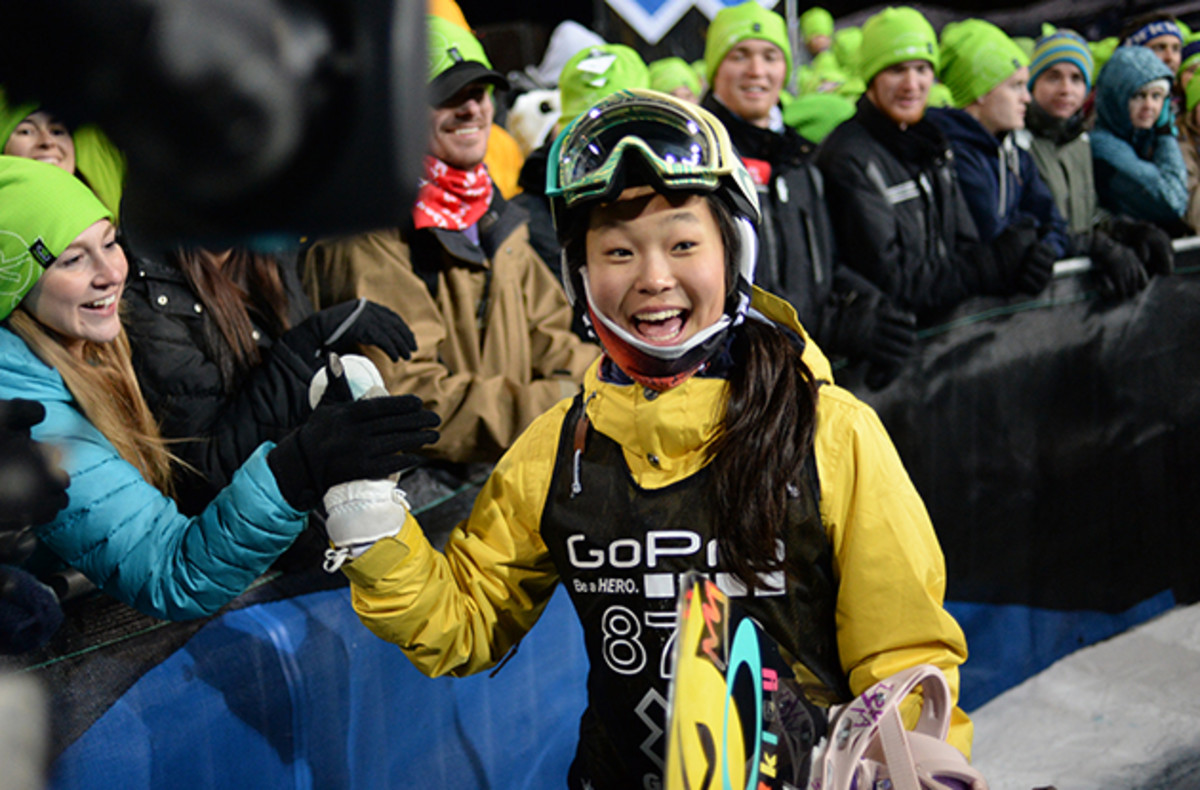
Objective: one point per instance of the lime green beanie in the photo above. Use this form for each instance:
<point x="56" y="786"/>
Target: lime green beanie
<point x="816" y="21"/>
<point x="595" y="72"/>
<point x="1192" y="94"/>
<point x="847" y="46"/>
<point x="939" y="96"/>
<point x="815" y="115"/>
<point x="976" y="57"/>
<point x="896" y="35"/>
<point x="43" y="208"/>
<point x="667" y="74"/>
<point x="735" y="24"/>
<point x="1102" y="50"/>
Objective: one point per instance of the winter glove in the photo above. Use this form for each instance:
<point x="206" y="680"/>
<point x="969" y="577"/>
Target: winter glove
<point x="867" y="326"/>
<point x="31" y="490"/>
<point x="1120" y="271"/>
<point x="998" y="266"/>
<point x="361" y="512"/>
<point x="343" y="441"/>
<point x="346" y="326"/>
<point x="1037" y="267"/>
<point x="1150" y="243"/>
<point x="29" y="611"/>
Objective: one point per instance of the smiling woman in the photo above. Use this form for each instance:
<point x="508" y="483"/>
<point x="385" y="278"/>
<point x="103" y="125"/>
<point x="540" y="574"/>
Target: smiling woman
<point x="62" y="344"/>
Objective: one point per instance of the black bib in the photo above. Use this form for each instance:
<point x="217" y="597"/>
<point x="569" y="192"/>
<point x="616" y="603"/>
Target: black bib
<point x="620" y="550"/>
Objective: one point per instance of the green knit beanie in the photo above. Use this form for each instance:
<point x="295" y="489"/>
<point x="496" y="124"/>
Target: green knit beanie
<point x="847" y="46"/>
<point x="595" y="72"/>
<point x="1193" y="94"/>
<point x="735" y="24"/>
<point x="939" y="96"/>
<point x="667" y="74"/>
<point x="1102" y="50"/>
<point x="976" y="57"/>
<point x="816" y="21"/>
<point x="815" y="115"/>
<point x="896" y="35"/>
<point x="43" y="208"/>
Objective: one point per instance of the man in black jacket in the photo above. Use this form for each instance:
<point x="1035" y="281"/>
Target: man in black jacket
<point x="898" y="212"/>
<point x="747" y="57"/>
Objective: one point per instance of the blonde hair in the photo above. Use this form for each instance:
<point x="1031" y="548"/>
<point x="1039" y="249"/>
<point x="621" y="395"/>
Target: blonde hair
<point x="105" y="387"/>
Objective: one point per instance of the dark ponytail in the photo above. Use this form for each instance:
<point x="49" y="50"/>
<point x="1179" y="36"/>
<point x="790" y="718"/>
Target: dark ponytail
<point x="764" y="441"/>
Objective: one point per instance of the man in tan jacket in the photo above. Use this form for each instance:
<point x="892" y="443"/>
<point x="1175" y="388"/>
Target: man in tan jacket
<point x="494" y="344"/>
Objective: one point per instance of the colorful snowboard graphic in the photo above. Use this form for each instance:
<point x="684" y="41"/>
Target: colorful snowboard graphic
<point x="735" y="716"/>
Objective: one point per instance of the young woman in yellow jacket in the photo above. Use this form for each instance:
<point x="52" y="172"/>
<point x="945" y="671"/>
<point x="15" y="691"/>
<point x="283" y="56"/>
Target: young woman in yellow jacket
<point x="709" y="437"/>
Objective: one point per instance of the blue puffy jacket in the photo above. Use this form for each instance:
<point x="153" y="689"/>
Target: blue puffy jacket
<point x="1000" y="181"/>
<point x="128" y="538"/>
<point x="1139" y="172"/>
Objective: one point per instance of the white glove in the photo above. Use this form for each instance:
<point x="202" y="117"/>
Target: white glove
<point x="361" y="512"/>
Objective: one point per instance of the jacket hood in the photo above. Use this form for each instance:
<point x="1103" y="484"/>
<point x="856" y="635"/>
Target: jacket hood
<point x="23" y="373"/>
<point x="1128" y="70"/>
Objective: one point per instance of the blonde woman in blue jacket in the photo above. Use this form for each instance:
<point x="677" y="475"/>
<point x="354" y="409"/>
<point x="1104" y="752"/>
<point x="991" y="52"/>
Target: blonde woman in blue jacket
<point x="62" y="344"/>
<point x="708" y="437"/>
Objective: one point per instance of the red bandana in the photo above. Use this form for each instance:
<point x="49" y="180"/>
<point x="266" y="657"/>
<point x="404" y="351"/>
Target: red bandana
<point x="451" y="198"/>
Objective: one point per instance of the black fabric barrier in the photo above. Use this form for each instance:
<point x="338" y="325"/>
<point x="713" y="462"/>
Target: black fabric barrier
<point x="1056" y="442"/>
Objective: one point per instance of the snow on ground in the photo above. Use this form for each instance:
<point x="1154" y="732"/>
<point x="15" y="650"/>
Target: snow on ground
<point x="1120" y="715"/>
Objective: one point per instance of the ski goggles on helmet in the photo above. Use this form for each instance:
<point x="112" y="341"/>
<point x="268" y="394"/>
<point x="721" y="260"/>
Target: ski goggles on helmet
<point x="683" y="146"/>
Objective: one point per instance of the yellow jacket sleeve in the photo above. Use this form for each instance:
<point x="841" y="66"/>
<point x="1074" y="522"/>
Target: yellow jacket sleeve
<point x="892" y="577"/>
<point x="459" y="611"/>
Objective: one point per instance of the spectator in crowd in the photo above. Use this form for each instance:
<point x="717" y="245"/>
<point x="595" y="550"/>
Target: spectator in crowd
<point x="494" y="343"/>
<point x="1189" y="145"/>
<point x="987" y="76"/>
<point x="504" y="156"/>
<point x="703" y="421"/>
<point x="1139" y="168"/>
<point x="1159" y="32"/>
<point x="27" y="130"/>
<point x="588" y="76"/>
<point x="895" y="199"/>
<point x="748" y="57"/>
<point x="62" y="345"/>
<point x="1123" y="250"/>
<point x="676" y="77"/>
<point x="209" y="331"/>
<point x="225" y="344"/>
<point x="816" y="25"/>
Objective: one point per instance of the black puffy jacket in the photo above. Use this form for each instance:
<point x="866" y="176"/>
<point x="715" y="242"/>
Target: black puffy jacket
<point x="899" y="216"/>
<point x="173" y="341"/>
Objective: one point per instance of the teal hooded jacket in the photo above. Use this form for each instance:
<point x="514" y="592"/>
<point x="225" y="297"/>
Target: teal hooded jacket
<point x="128" y="538"/>
<point x="1139" y="172"/>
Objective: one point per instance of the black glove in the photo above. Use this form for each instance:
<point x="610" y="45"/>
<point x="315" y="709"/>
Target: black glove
<point x="1120" y="271"/>
<point x="346" y="326"/>
<point x="1000" y="264"/>
<point x="866" y="326"/>
<point x="31" y="491"/>
<point x="359" y="440"/>
<point x="1150" y="243"/>
<point x="1037" y="267"/>
<point x="29" y="611"/>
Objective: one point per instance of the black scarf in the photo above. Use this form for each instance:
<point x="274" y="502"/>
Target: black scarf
<point x="1059" y="131"/>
